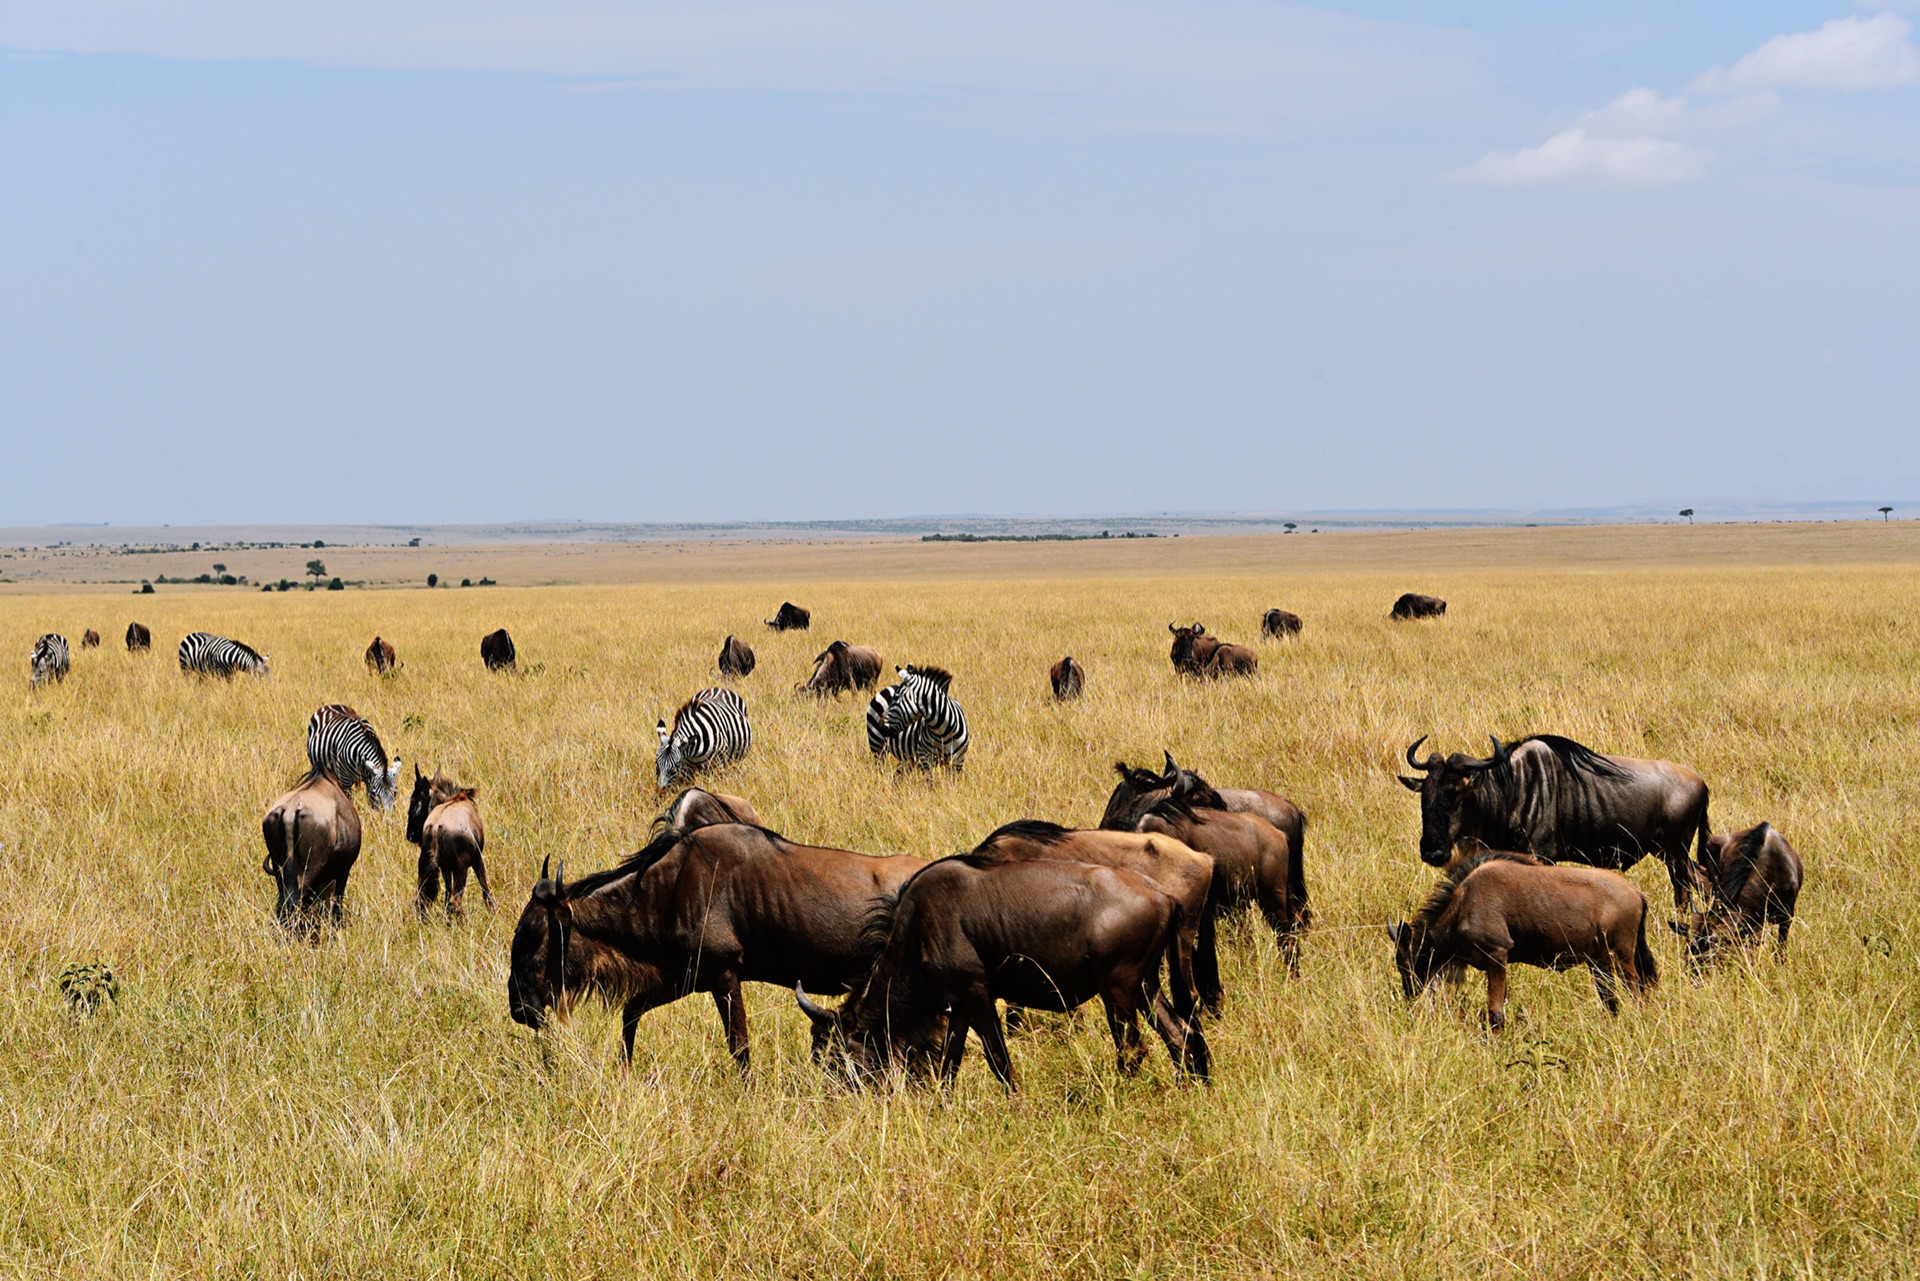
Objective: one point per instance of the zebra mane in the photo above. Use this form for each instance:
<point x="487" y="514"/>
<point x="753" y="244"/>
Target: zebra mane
<point x="938" y="675"/>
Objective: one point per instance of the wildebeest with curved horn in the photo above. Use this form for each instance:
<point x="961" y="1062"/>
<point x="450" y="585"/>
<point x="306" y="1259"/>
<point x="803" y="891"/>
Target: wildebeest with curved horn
<point x="1744" y="882"/>
<point x="138" y="637"/>
<point x="975" y="929"/>
<point x="1277" y="624"/>
<point x="1494" y="909"/>
<point x="1414" y="605"/>
<point x="841" y="667"/>
<point x="1552" y="797"/>
<point x="1196" y="653"/>
<point x="89" y="639"/>
<point x="312" y="836"/>
<point x="380" y="657"/>
<point x="497" y="652"/>
<point x="736" y="657"/>
<point x="444" y="821"/>
<point x="701" y="911"/>
<point x="1067" y="679"/>
<point x="790" y="618"/>
<point x="697" y="807"/>
<point x="1252" y="864"/>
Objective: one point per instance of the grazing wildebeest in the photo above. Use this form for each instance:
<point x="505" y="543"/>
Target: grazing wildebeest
<point x="444" y="821"/>
<point x="138" y="637"/>
<point x="1067" y="678"/>
<point x="790" y="618"/>
<point x="49" y="660"/>
<point x="313" y="837"/>
<point x="380" y="656"/>
<point x="736" y="657"/>
<point x="1045" y="935"/>
<point x="497" y="652"/>
<point x="89" y="639"/>
<point x="1252" y="863"/>
<point x="1552" y="797"/>
<point x="701" y="911"/>
<point x="1414" y="605"/>
<point x="697" y="807"/>
<point x="1196" y="653"/>
<point x="1744" y="882"/>
<point x="1278" y="624"/>
<point x="1494" y="909"/>
<point x="841" y="667"/>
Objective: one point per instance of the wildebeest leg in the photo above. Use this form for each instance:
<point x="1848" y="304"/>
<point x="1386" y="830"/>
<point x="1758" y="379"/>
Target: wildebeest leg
<point x="1206" y="965"/>
<point x="480" y="874"/>
<point x="1273" y="906"/>
<point x="1123" y="1024"/>
<point x="1680" y="873"/>
<point x="1183" y="1039"/>
<point x="1016" y="1018"/>
<point x="953" y="1046"/>
<point x="1497" y="992"/>
<point x="733" y="1017"/>
<point x="429" y="871"/>
<point x="456" y="878"/>
<point x="978" y="1010"/>
<point x="630" y="1019"/>
<point x="1607" y="985"/>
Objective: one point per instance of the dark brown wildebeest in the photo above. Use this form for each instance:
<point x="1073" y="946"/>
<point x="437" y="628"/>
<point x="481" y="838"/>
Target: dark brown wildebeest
<point x="1494" y="909"/>
<point x="701" y="911"/>
<point x="1414" y="605"/>
<point x="138" y="637"/>
<point x="380" y="657"/>
<point x="1277" y="624"/>
<point x="790" y="618"/>
<point x="1744" y="882"/>
<point x="697" y="807"/>
<point x="1067" y="678"/>
<point x="313" y="838"/>
<point x="444" y="821"/>
<point x="736" y="657"/>
<point x="1185" y="873"/>
<point x="497" y="652"/>
<point x="1041" y="934"/>
<point x="1252" y="863"/>
<point x="89" y="639"/>
<point x="1550" y="796"/>
<point x="1195" y="653"/>
<point x="841" y="667"/>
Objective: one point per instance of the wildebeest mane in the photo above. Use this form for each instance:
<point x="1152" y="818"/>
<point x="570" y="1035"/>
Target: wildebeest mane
<point x="1033" y="829"/>
<point x="1463" y="865"/>
<point x="1577" y="757"/>
<point x="1171" y="807"/>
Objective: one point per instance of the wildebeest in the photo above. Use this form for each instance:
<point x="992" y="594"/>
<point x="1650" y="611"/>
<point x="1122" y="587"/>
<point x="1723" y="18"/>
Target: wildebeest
<point x="1550" y="796"/>
<point x="1046" y="935"/>
<point x="697" y="807"/>
<point x="89" y="639"/>
<point x="1493" y="909"/>
<point x="701" y="911"/>
<point x="380" y="656"/>
<point x="497" y="652"/>
<point x="312" y="836"/>
<point x="841" y="667"/>
<point x="444" y="821"/>
<point x="1067" y="678"/>
<point x="1414" y="605"/>
<point x="1744" y="882"/>
<point x="1195" y="653"/>
<point x="49" y="660"/>
<point x="1252" y="863"/>
<point x="790" y="618"/>
<point x="736" y="657"/>
<point x="138" y="637"/>
<point x="1277" y="624"/>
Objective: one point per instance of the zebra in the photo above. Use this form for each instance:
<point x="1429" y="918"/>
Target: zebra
<point x="341" y="743"/>
<point x="917" y="720"/>
<point x="49" y="659"/>
<point x="211" y="655"/>
<point x="709" y="729"/>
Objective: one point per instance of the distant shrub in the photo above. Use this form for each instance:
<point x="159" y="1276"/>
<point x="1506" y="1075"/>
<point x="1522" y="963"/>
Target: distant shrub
<point x="336" y="586"/>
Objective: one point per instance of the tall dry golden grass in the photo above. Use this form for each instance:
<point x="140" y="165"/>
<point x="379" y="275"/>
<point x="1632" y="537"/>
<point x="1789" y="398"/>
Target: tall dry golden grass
<point x="256" y="1106"/>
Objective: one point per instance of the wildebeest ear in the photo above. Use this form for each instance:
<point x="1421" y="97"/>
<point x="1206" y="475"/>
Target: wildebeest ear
<point x="1411" y="784"/>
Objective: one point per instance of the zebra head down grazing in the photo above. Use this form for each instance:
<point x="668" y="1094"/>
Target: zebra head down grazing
<point x="341" y="743"/>
<point x="709" y="729"/>
<point x="917" y="720"/>
<point x="209" y="655"/>
<point x="49" y="659"/>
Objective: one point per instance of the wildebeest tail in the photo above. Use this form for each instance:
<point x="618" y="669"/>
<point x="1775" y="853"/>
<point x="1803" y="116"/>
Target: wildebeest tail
<point x="1297" y="881"/>
<point x="1179" y="976"/>
<point x="1642" y="954"/>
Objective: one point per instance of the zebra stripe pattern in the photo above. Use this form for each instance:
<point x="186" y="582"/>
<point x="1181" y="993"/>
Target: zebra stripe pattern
<point x="49" y="659"/>
<point x="917" y="720"/>
<point x="709" y="729"/>
<point x="341" y="743"/>
<point x="211" y="655"/>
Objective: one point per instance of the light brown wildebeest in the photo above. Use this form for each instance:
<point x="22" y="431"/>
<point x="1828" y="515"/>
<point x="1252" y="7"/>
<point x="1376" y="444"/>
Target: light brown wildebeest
<point x="697" y="807"/>
<point x="380" y="657"/>
<point x="736" y="657"/>
<point x="1196" y="653"/>
<point x="1414" y="605"/>
<point x="790" y="617"/>
<point x="497" y="652"/>
<point x="312" y="836"/>
<point x="444" y="821"/>
<point x="1744" y="882"/>
<point x="89" y="639"/>
<point x="1493" y="909"/>
<point x="1067" y="678"/>
<point x="1277" y="624"/>
<point x="841" y="667"/>
<point x="138" y="637"/>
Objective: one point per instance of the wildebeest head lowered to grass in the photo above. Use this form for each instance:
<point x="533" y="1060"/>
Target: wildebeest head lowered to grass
<point x="1744" y="882"/>
<point x="790" y="618"/>
<point x="1414" y="605"/>
<point x="841" y="667"/>
<point x="1550" y="796"/>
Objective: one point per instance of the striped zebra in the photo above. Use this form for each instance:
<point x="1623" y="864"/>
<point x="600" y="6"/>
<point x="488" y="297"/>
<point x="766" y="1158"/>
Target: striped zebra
<point x="49" y="659"/>
<point x="341" y="743"/>
<point x="709" y="729"/>
<point x="211" y="655"/>
<point x="917" y="720"/>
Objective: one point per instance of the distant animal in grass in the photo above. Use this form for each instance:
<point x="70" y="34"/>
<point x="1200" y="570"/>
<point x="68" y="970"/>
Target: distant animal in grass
<point x="736" y="657"/>
<point x="49" y="660"/>
<point x="1413" y="605"/>
<point x="1196" y="653"/>
<point x="443" y="819"/>
<point x="89" y="639"/>
<point x="1278" y="624"/>
<point x="1744" y="882"/>
<point x="497" y="652"/>
<point x="841" y="667"/>
<point x="1067" y="679"/>
<point x="380" y="656"/>
<point x="138" y="637"/>
<point x="790" y="618"/>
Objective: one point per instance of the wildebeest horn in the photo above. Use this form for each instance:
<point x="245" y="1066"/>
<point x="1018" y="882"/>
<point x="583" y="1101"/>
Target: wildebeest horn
<point x="1171" y="767"/>
<point x="818" y="1013"/>
<point x="546" y="867"/>
<point x="1413" y="747"/>
<point x="560" y="877"/>
<point x="1173" y="629"/>
<point x="1500" y="753"/>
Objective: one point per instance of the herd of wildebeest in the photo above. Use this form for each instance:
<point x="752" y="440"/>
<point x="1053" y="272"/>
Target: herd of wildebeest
<point x="1531" y="840"/>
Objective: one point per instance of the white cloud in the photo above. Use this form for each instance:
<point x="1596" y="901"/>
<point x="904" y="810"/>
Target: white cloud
<point x="1580" y="156"/>
<point x="1846" y="53"/>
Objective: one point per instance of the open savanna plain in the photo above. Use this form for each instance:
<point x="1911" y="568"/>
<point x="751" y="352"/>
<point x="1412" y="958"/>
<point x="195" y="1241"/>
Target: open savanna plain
<point x="257" y="1105"/>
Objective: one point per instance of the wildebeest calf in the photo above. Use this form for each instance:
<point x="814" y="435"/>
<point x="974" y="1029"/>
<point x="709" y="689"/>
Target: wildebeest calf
<point x="380" y="658"/>
<point x="1279" y="623"/>
<point x="1745" y="882"/>
<point x="89" y="639"/>
<point x="444" y="821"/>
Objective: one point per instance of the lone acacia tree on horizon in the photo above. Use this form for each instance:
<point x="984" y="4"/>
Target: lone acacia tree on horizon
<point x="1886" y="513"/>
<point x="317" y="568"/>
<point x="1688" y="513"/>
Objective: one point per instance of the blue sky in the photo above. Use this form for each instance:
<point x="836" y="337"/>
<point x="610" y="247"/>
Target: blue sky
<point x="439" y="261"/>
